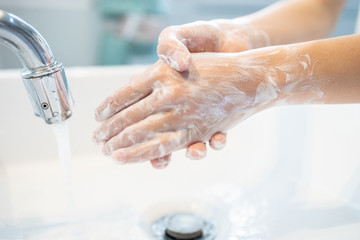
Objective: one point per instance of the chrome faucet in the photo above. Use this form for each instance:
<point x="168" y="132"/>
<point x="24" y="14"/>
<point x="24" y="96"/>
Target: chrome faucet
<point x="44" y="78"/>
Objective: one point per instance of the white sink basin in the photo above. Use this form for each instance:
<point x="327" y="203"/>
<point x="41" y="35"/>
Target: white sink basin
<point x="286" y="173"/>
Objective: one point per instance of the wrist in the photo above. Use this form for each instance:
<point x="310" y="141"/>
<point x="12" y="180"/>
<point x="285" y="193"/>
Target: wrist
<point x="277" y="76"/>
<point x="290" y="71"/>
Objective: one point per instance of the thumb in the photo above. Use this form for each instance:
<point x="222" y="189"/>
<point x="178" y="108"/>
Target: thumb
<point x="172" y="51"/>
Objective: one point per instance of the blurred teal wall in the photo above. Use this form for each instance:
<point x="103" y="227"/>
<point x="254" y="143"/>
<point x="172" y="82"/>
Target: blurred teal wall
<point x="120" y="7"/>
<point x="86" y="32"/>
<point x="125" y="45"/>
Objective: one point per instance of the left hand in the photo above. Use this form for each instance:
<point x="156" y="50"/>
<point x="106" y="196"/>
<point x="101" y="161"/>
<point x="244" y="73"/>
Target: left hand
<point x="163" y="110"/>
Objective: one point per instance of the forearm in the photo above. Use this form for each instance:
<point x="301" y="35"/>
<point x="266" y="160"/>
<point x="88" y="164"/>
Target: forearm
<point x="285" y="22"/>
<point x="298" y="20"/>
<point x="321" y="71"/>
<point x="335" y="70"/>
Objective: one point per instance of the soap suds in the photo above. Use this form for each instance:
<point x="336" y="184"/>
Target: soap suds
<point x="207" y="101"/>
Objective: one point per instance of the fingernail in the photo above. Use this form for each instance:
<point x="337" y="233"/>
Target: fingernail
<point x="100" y="135"/>
<point x="161" y="163"/>
<point x="182" y="61"/>
<point x="195" y="154"/>
<point x="218" y="145"/>
<point x="96" y="139"/>
<point x="119" y="157"/>
<point x="170" y="61"/>
<point x="118" y="162"/>
<point x="106" y="150"/>
<point x="103" y="112"/>
<point x="98" y="116"/>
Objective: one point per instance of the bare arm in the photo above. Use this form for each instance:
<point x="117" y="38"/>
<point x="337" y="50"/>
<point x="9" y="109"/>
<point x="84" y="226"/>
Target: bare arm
<point x="281" y="23"/>
<point x="296" y="20"/>
<point x="335" y="71"/>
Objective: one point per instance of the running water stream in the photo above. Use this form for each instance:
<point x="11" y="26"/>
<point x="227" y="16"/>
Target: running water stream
<point x="61" y="131"/>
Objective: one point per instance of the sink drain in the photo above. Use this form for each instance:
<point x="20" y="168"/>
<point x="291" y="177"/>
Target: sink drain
<point x="183" y="226"/>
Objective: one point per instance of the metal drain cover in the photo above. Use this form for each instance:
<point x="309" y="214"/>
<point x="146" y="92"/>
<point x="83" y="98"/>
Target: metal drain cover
<point x="183" y="226"/>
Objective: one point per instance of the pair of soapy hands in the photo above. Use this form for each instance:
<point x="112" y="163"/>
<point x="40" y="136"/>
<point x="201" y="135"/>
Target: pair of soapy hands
<point x="183" y="100"/>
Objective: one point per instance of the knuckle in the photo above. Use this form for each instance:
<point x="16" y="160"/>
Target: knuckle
<point x="168" y="94"/>
<point x="169" y="30"/>
<point x="176" y="91"/>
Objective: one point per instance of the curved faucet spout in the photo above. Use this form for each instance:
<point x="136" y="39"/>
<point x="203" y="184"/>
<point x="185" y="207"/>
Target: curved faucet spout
<point x="43" y="76"/>
<point x="25" y="41"/>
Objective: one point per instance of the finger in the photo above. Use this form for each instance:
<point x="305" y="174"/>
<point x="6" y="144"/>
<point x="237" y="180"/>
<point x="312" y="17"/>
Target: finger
<point x="155" y="148"/>
<point x="139" y="87"/>
<point x="196" y="151"/>
<point x="173" y="51"/>
<point x="144" y="130"/>
<point x="218" y="141"/>
<point x="161" y="163"/>
<point x="117" y="123"/>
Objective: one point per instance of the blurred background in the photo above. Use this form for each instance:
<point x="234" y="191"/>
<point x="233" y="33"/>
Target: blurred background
<point x="111" y="32"/>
